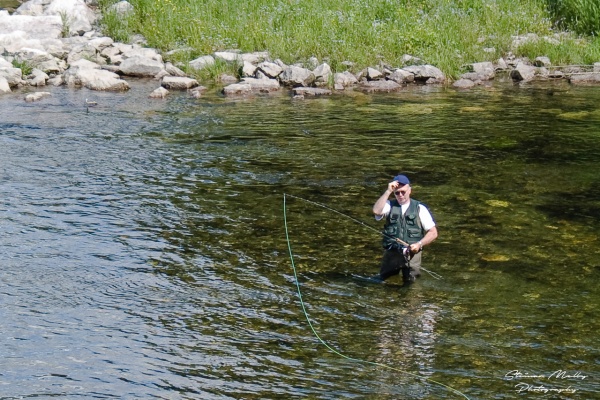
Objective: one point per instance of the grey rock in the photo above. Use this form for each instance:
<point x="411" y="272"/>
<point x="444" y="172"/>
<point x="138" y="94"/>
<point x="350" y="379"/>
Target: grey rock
<point x="484" y="70"/>
<point x="585" y="78"/>
<point x="178" y="83"/>
<point x="141" y="67"/>
<point x="248" y="69"/>
<point x="197" y="91"/>
<point x="296" y="76"/>
<point x="36" y="96"/>
<point x="173" y="70"/>
<point x="523" y="72"/>
<point x="426" y="73"/>
<point x="373" y="75"/>
<point x="228" y="56"/>
<point x="14" y="76"/>
<point x="322" y="73"/>
<point x="463" y="84"/>
<point x="401" y="76"/>
<point x="202" y="62"/>
<point x="269" y="69"/>
<point x="379" y="86"/>
<point x="237" y="89"/>
<point x="344" y="79"/>
<point x="4" y="86"/>
<point x="310" y="91"/>
<point x="159" y="93"/>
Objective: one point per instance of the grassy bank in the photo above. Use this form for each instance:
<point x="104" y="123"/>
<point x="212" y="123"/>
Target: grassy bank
<point x="446" y="33"/>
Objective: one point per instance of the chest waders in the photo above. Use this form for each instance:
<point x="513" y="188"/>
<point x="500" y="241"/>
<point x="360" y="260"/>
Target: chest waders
<point x="405" y="227"/>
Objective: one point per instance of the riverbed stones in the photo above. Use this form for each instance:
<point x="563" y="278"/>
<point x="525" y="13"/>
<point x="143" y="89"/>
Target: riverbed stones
<point x="228" y="56"/>
<point x="37" y="78"/>
<point x="344" y="79"/>
<point x="310" y="91"/>
<point x="542" y="61"/>
<point x="78" y="17"/>
<point x="270" y="69"/>
<point x="4" y="87"/>
<point x="122" y="8"/>
<point x="255" y="57"/>
<point x="88" y="74"/>
<point x="381" y="86"/>
<point x="197" y="91"/>
<point x="172" y="70"/>
<point x="484" y="70"/>
<point x="401" y="76"/>
<point x="294" y="76"/>
<point x="426" y="73"/>
<point x="463" y="83"/>
<point x="248" y="69"/>
<point x="237" y="89"/>
<point x="29" y="27"/>
<point x="202" y="62"/>
<point x="585" y="78"/>
<point x="143" y="67"/>
<point x="322" y="74"/>
<point x="31" y="97"/>
<point x="159" y="93"/>
<point x="523" y="72"/>
<point x="178" y="83"/>
<point x="373" y="74"/>
<point x="13" y="76"/>
<point x="262" y="85"/>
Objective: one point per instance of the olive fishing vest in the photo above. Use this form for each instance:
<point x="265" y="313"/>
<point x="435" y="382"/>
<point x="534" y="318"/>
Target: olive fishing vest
<point x="405" y="227"/>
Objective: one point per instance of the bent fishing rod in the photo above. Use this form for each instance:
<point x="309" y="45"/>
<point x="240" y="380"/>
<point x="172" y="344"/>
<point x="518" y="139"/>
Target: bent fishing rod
<point x="399" y="241"/>
<point x="350" y="217"/>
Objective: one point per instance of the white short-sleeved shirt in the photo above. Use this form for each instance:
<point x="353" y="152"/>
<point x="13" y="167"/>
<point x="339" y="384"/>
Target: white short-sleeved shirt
<point x="426" y="219"/>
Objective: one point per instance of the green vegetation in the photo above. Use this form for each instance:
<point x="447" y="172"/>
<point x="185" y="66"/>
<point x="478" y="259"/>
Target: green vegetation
<point x="581" y="16"/>
<point x="446" y="33"/>
<point x="66" y="25"/>
<point x="25" y="66"/>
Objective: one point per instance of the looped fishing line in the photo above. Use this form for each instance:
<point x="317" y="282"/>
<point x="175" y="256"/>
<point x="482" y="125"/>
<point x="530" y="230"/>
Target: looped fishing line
<point x="433" y="274"/>
<point x="323" y="342"/>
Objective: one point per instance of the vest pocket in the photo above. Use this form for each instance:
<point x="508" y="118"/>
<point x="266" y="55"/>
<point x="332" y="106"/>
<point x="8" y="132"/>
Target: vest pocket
<point x="413" y="233"/>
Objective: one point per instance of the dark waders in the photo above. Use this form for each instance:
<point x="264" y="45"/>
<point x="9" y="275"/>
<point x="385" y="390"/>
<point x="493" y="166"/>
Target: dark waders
<point x="394" y="262"/>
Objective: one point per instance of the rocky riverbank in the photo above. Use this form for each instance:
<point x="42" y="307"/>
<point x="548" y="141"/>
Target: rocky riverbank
<point x="57" y="42"/>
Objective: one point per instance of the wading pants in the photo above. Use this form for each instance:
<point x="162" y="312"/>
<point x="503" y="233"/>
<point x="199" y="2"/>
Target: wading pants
<point x="393" y="262"/>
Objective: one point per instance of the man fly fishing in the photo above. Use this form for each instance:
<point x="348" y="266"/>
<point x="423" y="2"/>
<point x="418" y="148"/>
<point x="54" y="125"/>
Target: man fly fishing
<point x="409" y="227"/>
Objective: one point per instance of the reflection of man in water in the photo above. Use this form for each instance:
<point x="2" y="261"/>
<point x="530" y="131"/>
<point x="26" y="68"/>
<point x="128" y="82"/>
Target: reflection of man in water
<point x="406" y="339"/>
<point x="407" y="220"/>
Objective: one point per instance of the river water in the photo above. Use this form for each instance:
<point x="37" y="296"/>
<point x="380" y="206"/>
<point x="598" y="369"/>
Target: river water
<point x="147" y="249"/>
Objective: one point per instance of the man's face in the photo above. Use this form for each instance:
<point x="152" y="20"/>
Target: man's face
<point x="402" y="193"/>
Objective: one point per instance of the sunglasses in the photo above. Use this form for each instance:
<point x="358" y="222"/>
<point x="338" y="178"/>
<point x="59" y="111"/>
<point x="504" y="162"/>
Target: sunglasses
<point x="400" y="192"/>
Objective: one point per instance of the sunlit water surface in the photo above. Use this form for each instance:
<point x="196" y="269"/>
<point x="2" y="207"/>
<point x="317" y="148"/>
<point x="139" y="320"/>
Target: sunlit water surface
<point x="144" y="251"/>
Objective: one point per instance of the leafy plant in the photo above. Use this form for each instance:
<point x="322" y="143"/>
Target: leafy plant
<point x="25" y="66"/>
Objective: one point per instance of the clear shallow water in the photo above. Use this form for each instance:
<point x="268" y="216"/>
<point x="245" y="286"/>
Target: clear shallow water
<point x="143" y="251"/>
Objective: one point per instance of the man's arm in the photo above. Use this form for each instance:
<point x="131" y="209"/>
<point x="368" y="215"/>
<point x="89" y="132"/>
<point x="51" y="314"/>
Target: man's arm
<point x="429" y="237"/>
<point x="381" y="202"/>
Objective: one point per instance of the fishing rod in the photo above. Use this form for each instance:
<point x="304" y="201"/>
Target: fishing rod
<point x="310" y="324"/>
<point x="350" y="217"/>
<point x="433" y="274"/>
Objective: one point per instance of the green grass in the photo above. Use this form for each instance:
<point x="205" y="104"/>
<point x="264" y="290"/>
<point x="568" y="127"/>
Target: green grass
<point x="446" y="33"/>
<point x="581" y="16"/>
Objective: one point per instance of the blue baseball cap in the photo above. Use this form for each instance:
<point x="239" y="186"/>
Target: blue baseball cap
<point x="402" y="179"/>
